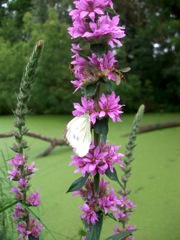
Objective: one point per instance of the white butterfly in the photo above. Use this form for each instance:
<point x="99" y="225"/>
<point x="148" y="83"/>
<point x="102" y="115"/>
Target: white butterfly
<point x="78" y="134"/>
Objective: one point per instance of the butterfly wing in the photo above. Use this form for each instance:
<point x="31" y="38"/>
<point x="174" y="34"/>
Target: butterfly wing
<point x="78" y="134"/>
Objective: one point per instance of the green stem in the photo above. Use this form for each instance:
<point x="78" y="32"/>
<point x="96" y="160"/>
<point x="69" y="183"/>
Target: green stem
<point x="96" y="140"/>
<point x="96" y="182"/>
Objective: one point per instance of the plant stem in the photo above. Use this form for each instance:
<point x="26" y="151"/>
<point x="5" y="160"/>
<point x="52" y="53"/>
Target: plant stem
<point x="96" y="140"/>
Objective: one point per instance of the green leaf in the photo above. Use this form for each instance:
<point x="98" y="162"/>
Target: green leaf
<point x="101" y="127"/>
<point x="99" y="48"/>
<point x="120" y="236"/>
<point x="78" y="184"/>
<point x="95" y="230"/>
<point x="111" y="216"/>
<point x="90" y="90"/>
<point x="109" y="87"/>
<point x="113" y="176"/>
<point x="8" y="206"/>
<point x="82" y="232"/>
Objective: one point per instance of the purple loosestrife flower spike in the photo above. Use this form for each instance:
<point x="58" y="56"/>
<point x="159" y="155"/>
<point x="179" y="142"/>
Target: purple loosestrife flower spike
<point x="93" y="65"/>
<point x="22" y="173"/>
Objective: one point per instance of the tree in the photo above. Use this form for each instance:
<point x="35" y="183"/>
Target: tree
<point x="152" y="49"/>
<point x="52" y="90"/>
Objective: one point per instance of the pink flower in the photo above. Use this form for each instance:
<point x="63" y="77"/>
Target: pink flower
<point x="34" y="199"/>
<point x="95" y="161"/>
<point x="88" y="193"/>
<point x="19" y="195"/>
<point x="75" y="48"/>
<point x="14" y="174"/>
<point x="109" y="106"/>
<point x="105" y="65"/>
<point x="87" y="106"/>
<point x="108" y="64"/>
<point x="112" y="157"/>
<point x="86" y="8"/>
<point x="23" y="183"/>
<point x="108" y="202"/>
<point x="89" y="8"/>
<point x="84" y="70"/>
<point x="89" y="215"/>
<point x="98" y="159"/>
<point x="36" y="228"/>
<point x="88" y="190"/>
<point x="105" y="200"/>
<point x="120" y="215"/>
<point x="105" y="30"/>
<point x="22" y="227"/>
<point x="90" y="21"/>
<point x="30" y="169"/>
<point x="19" y="212"/>
<point x="125" y="202"/>
<point x="78" y="29"/>
<point x="18" y="160"/>
<point x="89" y="70"/>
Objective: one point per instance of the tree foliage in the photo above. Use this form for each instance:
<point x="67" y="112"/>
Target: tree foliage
<point x="151" y="49"/>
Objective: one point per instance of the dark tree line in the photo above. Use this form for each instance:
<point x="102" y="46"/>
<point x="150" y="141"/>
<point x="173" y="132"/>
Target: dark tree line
<point x="151" y="49"/>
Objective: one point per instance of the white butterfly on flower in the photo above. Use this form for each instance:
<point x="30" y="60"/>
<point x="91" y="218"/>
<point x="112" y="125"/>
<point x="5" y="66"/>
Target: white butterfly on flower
<point x="78" y="134"/>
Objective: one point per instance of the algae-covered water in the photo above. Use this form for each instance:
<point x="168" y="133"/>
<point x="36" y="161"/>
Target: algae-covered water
<point x="155" y="181"/>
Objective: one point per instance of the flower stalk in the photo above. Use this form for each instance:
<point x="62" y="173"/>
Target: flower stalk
<point x="128" y="156"/>
<point x="96" y="33"/>
<point x="28" y="226"/>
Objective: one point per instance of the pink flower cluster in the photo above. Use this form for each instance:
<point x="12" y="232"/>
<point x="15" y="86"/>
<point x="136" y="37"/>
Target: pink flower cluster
<point x="22" y="173"/>
<point x="124" y="206"/>
<point x="91" y="69"/>
<point x="103" y="201"/>
<point x="16" y="175"/>
<point x="98" y="159"/>
<point x="34" y="229"/>
<point x="107" y="106"/>
<point x="92" y="22"/>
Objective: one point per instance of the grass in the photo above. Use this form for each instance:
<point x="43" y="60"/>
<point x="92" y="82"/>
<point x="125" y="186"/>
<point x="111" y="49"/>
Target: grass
<point x="155" y="177"/>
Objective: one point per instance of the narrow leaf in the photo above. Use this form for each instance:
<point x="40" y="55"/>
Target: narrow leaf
<point x="95" y="230"/>
<point x="8" y="206"/>
<point x="120" y="236"/>
<point x="113" y="176"/>
<point x="111" y="216"/>
<point x="78" y="184"/>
